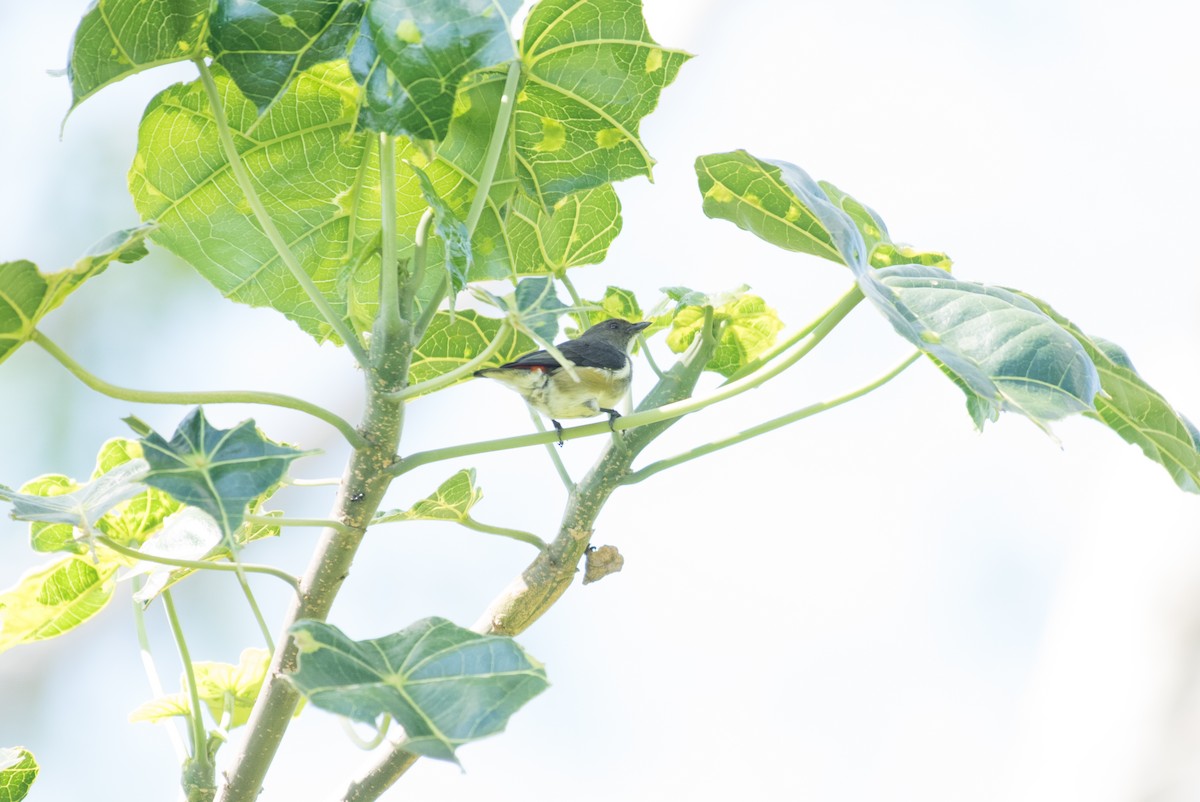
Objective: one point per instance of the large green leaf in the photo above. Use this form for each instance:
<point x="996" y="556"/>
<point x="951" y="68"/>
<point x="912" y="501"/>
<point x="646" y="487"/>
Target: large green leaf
<point x="117" y="38"/>
<point x="577" y="232"/>
<point x="265" y="44"/>
<point x="218" y="470"/>
<point x="27" y="295"/>
<point x="18" y="770"/>
<point x="1003" y="351"/>
<point x="452" y="501"/>
<point x="1135" y="410"/>
<point x="592" y="73"/>
<point x="443" y="684"/>
<point x="448" y="345"/>
<point x="411" y="55"/>
<point x="53" y="599"/>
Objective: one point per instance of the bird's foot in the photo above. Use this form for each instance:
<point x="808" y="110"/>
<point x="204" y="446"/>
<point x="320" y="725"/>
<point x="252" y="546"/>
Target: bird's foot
<point x="612" y="418"/>
<point x="558" y="428"/>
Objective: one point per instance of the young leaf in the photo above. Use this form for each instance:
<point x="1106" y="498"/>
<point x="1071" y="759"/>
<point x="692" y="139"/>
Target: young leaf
<point x="448" y="345"/>
<point x="538" y="306"/>
<point x="53" y="599"/>
<point x="190" y="534"/>
<point x="443" y="684"/>
<point x="222" y="687"/>
<point x="18" y="770"/>
<point x="456" y="241"/>
<point x="578" y="232"/>
<point x="1135" y="410"/>
<point x="265" y="44"/>
<point x="83" y="507"/>
<point x="749" y="328"/>
<point x="575" y="134"/>
<point x="410" y="56"/>
<point x="218" y="470"/>
<point x="452" y="501"/>
<point x="27" y="295"/>
<point x="617" y="302"/>
<point x="118" y="38"/>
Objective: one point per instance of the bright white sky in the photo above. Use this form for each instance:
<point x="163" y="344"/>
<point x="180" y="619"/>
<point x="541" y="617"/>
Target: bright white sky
<point x="877" y="604"/>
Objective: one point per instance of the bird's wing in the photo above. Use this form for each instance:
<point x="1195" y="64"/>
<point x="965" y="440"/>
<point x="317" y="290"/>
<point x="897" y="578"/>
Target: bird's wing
<point x="583" y="354"/>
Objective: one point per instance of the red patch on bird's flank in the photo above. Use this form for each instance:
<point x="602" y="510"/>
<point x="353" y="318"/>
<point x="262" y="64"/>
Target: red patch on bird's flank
<point x="537" y="369"/>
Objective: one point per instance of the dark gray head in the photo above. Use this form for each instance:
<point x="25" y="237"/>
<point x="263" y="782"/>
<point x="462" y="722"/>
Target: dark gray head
<point x="615" y="331"/>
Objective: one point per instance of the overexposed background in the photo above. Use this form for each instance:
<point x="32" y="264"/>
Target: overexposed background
<point x="876" y="604"/>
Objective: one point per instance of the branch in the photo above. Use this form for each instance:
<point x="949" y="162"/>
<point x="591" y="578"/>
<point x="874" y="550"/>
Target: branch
<point x="332" y="318"/>
<point x="203" y="397"/>
<point x="389" y="321"/>
<point x="198" y="565"/>
<point x="199" y="773"/>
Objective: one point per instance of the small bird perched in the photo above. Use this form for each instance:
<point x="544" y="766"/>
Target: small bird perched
<point x="601" y="360"/>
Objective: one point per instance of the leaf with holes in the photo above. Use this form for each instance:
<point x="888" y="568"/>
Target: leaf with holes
<point x="218" y="470"/>
<point x="592" y="73"/>
<point x="443" y="684"/>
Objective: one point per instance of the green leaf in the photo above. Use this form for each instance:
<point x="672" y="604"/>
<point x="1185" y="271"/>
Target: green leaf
<point x="578" y="232"/>
<point x="53" y="599"/>
<point x="869" y="224"/>
<point x="27" y="295"/>
<point x="617" y="302"/>
<point x="999" y="348"/>
<point x="411" y="55"/>
<point x="538" y="306"/>
<point x="50" y="537"/>
<point x="443" y="684"/>
<point x="222" y="687"/>
<point x="118" y="38"/>
<point x="748" y="328"/>
<point x="452" y="501"/>
<point x="889" y="255"/>
<point x="448" y="345"/>
<point x="456" y="240"/>
<point x="265" y="44"/>
<point x="1005" y="350"/>
<point x="18" y="770"/>
<point x="190" y="534"/>
<point x="592" y="73"/>
<point x="218" y="470"/>
<point x="82" y="507"/>
<point x="1135" y="410"/>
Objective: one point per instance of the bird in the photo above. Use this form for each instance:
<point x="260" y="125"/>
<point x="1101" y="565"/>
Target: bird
<point x="601" y="361"/>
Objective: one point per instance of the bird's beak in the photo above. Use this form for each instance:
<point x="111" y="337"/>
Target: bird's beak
<point x="637" y="327"/>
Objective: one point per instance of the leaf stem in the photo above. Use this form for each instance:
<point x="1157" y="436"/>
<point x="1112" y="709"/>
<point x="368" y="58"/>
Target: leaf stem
<point x="272" y="520"/>
<point x="452" y="376"/>
<point x="653" y="415"/>
<point x="762" y="428"/>
<point x="495" y="145"/>
<point x="332" y="318"/>
<point x="552" y="450"/>
<point x="202" y="397"/>
<point x="390" y="319"/>
<point x="514" y="534"/>
<point x="156" y="688"/>
<point x="199" y="742"/>
<point x="198" y="565"/>
<point x="258" y="616"/>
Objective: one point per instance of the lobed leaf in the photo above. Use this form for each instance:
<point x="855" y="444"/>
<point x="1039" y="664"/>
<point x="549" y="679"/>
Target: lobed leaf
<point x="449" y="344"/>
<point x="577" y="232"/>
<point x="220" y="471"/>
<point x="18" y="770"/>
<point x="1135" y="410"/>
<point x="411" y="55"/>
<point x="27" y="295"/>
<point x="222" y="687"/>
<point x="53" y="599"/>
<point x="592" y="73"/>
<point x="452" y="501"/>
<point x="748" y="328"/>
<point x="443" y="684"/>
<point x="118" y="38"/>
<point x="999" y="348"/>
